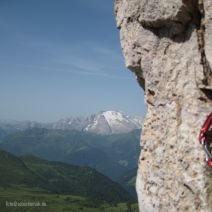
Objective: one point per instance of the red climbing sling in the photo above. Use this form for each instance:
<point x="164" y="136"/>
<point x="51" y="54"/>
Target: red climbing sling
<point x="204" y="140"/>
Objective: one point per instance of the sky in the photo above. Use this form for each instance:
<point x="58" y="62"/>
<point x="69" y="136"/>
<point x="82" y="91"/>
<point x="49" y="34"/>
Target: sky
<point x="62" y="58"/>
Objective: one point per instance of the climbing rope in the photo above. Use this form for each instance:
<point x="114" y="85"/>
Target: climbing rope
<point x="204" y="140"/>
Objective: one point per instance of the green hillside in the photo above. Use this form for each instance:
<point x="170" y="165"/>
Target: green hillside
<point x="14" y="172"/>
<point x="58" y="203"/>
<point x="32" y="173"/>
<point x="111" y="155"/>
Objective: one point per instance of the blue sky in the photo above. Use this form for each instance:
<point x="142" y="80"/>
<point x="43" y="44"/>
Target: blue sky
<point x="61" y="58"/>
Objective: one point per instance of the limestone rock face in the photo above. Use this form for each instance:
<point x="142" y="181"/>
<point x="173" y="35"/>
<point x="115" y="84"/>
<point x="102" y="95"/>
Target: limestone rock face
<point x="168" y="45"/>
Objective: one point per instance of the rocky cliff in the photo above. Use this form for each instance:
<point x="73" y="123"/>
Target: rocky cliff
<point x="168" y="45"/>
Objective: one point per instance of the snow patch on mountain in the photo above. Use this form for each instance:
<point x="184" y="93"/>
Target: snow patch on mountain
<point x="112" y="122"/>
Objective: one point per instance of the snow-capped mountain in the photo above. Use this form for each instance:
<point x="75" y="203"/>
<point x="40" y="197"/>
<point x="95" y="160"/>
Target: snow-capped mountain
<point x="104" y="123"/>
<point x="112" y="122"/>
<point x="78" y="123"/>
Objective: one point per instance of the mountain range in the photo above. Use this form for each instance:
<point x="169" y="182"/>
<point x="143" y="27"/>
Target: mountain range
<point x="104" y="123"/>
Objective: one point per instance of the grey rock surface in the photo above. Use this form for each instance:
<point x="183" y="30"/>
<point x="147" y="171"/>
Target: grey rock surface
<point x="168" y="45"/>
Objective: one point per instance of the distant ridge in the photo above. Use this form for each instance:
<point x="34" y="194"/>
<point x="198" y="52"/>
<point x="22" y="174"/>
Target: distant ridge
<point x="104" y="123"/>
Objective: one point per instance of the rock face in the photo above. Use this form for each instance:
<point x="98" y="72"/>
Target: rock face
<point x="168" y="45"/>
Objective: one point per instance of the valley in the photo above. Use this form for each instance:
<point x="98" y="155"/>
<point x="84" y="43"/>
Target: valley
<point x="66" y="165"/>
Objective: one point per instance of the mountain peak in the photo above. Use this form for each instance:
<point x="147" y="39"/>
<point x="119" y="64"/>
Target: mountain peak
<point x="112" y="122"/>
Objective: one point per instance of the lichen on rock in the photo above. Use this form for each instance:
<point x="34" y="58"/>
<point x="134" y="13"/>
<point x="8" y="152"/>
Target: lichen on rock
<point x="167" y="44"/>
